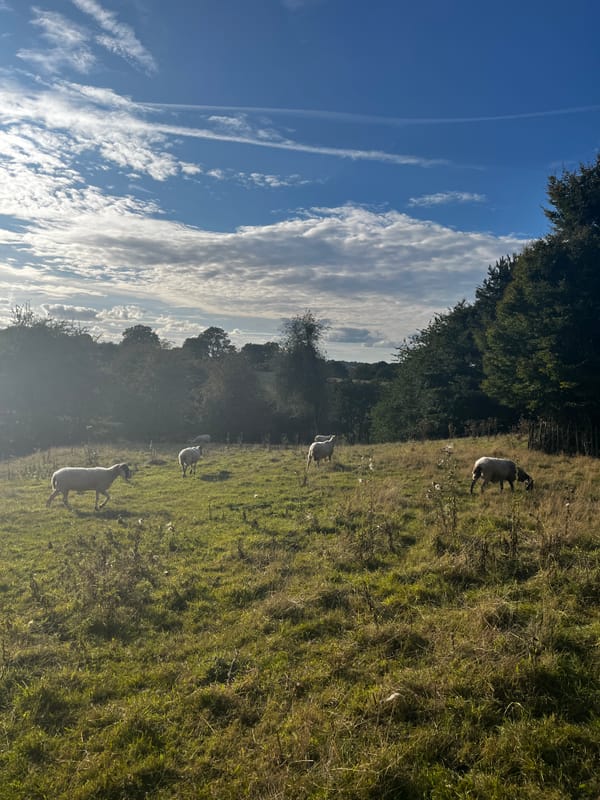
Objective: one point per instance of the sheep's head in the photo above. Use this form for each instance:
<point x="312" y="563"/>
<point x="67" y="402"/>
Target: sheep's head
<point x="523" y="477"/>
<point x="125" y="471"/>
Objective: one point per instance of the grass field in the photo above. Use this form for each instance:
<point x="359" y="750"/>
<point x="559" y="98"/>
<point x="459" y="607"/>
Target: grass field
<point x="368" y="630"/>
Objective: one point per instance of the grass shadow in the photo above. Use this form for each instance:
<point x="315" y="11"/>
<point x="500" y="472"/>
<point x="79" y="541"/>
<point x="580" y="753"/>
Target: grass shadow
<point x="213" y="477"/>
<point x="106" y="513"/>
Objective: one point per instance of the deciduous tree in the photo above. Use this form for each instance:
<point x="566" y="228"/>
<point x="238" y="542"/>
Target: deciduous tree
<point x="301" y="370"/>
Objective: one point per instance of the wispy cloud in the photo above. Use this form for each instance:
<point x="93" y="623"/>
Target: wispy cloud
<point x="77" y="126"/>
<point x="68" y="44"/>
<point x="373" y="119"/>
<point x="118" y="37"/>
<point x="443" y="198"/>
<point x="114" y="126"/>
<point x="253" y="179"/>
<point x="299" y="147"/>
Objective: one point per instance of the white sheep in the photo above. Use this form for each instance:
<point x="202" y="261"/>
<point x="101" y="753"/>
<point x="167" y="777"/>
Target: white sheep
<point x="318" y="451"/>
<point x="189" y="457"/>
<point x="498" y="470"/>
<point x="320" y="438"/>
<point x="82" y="479"/>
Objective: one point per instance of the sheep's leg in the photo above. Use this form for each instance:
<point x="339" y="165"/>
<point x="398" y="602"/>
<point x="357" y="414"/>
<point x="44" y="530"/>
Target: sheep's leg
<point x="512" y="485"/>
<point x="54" y="494"/>
<point x="106" y="495"/>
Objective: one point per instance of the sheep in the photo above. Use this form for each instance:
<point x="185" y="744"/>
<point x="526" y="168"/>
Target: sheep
<point x="498" y="470"/>
<point x="320" y="438"/>
<point x="189" y="457"/>
<point x="81" y="479"/>
<point x="320" y="450"/>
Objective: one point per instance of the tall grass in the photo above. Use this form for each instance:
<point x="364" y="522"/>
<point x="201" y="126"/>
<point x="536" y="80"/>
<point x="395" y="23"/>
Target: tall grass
<point x="366" y="629"/>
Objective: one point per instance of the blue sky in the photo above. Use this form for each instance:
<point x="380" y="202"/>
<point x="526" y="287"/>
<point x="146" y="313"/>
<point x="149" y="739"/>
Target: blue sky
<point x="236" y="162"/>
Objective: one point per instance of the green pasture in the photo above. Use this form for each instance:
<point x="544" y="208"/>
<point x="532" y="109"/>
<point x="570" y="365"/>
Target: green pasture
<point x="363" y="630"/>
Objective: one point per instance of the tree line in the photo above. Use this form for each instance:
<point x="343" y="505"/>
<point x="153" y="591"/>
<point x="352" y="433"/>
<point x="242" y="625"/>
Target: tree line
<point x="59" y="385"/>
<point x="526" y="349"/>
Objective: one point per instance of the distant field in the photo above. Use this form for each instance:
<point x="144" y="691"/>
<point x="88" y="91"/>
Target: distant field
<point x="364" y="631"/>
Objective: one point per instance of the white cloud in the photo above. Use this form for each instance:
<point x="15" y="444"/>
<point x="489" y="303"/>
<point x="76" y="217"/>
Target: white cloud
<point x="442" y="198"/>
<point x="110" y="126"/>
<point x="71" y="313"/>
<point x="120" y="138"/>
<point x="190" y="169"/>
<point x="353" y="266"/>
<point x="54" y="127"/>
<point x="77" y="248"/>
<point x="256" y="179"/>
<point x="69" y="44"/>
<point x="121" y="313"/>
<point x="118" y="37"/>
<point x="261" y="139"/>
<point x="98" y="95"/>
<point x="272" y="181"/>
<point x="374" y="119"/>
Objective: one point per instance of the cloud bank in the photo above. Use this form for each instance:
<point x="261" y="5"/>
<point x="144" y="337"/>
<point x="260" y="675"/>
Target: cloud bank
<point x="79" y="248"/>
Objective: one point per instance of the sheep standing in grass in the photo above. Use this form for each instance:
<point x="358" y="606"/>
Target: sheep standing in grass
<point x="498" y="470"/>
<point x="83" y="479"/>
<point x="188" y="458"/>
<point x="318" y="451"/>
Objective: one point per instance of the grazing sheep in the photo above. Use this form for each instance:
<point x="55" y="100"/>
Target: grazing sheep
<point x="82" y="479"/>
<point x="189" y="457"/>
<point x="320" y="450"/>
<point x="498" y="470"/>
